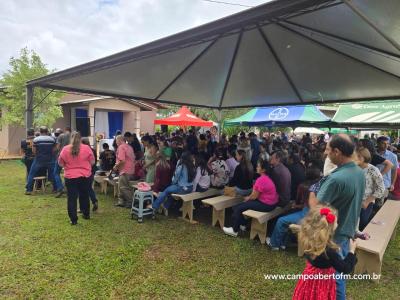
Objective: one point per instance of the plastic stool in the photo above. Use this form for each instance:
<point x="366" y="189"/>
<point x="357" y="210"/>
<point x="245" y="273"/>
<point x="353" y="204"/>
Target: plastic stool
<point x="38" y="179"/>
<point x="139" y="198"/>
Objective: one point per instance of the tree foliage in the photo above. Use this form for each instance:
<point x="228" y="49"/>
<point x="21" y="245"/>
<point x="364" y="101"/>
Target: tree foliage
<point x="26" y="67"/>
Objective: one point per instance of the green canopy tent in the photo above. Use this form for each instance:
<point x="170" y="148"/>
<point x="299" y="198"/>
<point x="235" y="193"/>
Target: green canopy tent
<point x="340" y="130"/>
<point x="375" y="115"/>
<point x="286" y="116"/>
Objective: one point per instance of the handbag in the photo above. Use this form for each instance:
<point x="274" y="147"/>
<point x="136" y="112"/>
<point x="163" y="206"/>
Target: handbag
<point x="230" y="191"/>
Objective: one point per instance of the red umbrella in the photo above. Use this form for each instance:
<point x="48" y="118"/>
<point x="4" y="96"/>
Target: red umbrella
<point x="183" y="117"/>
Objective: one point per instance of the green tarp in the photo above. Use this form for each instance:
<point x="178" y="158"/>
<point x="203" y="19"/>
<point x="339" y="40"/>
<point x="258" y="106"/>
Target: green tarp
<point x="304" y="115"/>
<point x="369" y="115"/>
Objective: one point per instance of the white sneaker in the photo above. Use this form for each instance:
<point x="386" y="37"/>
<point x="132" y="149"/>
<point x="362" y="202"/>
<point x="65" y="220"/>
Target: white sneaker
<point x="229" y="231"/>
<point x="243" y="228"/>
<point x="268" y="242"/>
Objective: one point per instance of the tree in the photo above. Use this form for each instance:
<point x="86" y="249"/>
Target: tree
<point x="27" y="67"/>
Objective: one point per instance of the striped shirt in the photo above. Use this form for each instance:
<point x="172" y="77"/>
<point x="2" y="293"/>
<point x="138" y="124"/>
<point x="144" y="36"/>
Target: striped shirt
<point x="44" y="145"/>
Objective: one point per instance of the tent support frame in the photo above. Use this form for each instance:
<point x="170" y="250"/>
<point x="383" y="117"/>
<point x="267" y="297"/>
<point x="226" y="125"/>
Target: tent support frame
<point x="279" y="62"/>
<point x="381" y="51"/>
<point x="187" y="68"/>
<point x="337" y="51"/>
<point x="371" y="24"/>
<point x="29" y="106"/>
<point x="228" y="75"/>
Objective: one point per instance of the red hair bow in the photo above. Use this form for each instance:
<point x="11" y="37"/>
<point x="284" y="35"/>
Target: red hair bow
<point x="330" y="218"/>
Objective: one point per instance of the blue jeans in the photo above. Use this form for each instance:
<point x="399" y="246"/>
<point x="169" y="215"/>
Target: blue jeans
<point x="278" y="237"/>
<point x="341" y="283"/>
<point x="57" y="178"/>
<point x="251" y="204"/>
<point x="36" y="166"/>
<point x="365" y="214"/>
<point x="242" y="192"/>
<point x="165" y="195"/>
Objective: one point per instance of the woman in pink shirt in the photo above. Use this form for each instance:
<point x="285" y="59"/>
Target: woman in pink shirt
<point x="263" y="198"/>
<point x="77" y="160"/>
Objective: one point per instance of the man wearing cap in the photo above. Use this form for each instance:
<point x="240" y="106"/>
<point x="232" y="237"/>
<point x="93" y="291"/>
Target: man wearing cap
<point x="43" y="149"/>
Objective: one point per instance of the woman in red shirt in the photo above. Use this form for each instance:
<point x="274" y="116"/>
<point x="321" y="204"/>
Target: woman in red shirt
<point x="395" y="194"/>
<point x="163" y="174"/>
<point x="77" y="160"/>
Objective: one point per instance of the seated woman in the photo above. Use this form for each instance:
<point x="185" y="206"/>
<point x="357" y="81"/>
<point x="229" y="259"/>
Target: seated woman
<point x="202" y="180"/>
<point x="151" y="149"/>
<point x="242" y="178"/>
<point x="263" y="198"/>
<point x="182" y="182"/>
<point x="231" y="161"/>
<point x="263" y="152"/>
<point x="278" y="238"/>
<point x="163" y="174"/>
<point x="219" y="170"/>
<point x="374" y="185"/>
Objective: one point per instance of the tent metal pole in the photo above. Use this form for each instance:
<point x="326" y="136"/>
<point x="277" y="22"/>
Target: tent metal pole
<point x="336" y="51"/>
<point x="280" y="64"/>
<point x="219" y="121"/>
<point x="343" y="39"/>
<point x="29" y="107"/>
<point x="358" y="12"/>
<point x="228" y="75"/>
<point x="186" y="68"/>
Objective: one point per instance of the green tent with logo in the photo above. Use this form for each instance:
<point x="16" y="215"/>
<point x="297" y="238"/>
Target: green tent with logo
<point x="373" y="115"/>
<point x="301" y="115"/>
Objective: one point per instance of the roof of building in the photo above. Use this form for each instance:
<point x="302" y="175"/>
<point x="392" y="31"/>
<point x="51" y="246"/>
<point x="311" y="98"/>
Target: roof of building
<point x="74" y="98"/>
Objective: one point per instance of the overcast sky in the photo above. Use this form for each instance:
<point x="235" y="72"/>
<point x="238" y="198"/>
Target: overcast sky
<point x="66" y="33"/>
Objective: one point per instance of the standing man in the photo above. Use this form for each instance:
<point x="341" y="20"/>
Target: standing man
<point x="390" y="177"/>
<point x="27" y="150"/>
<point x="43" y="149"/>
<point x="62" y="140"/>
<point x="255" y="149"/>
<point x="192" y="142"/>
<point x="344" y="190"/>
<point x="126" y="167"/>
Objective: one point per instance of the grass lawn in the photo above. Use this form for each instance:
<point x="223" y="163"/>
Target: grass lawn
<point x="112" y="256"/>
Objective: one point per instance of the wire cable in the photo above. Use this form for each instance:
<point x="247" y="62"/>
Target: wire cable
<point x="228" y="3"/>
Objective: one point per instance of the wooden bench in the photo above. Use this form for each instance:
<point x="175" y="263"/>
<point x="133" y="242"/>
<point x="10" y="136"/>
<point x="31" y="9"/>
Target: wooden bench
<point x="295" y="228"/>
<point x="187" y="201"/>
<point x="370" y="252"/>
<point x="100" y="179"/>
<point x="219" y="204"/>
<point x="259" y="221"/>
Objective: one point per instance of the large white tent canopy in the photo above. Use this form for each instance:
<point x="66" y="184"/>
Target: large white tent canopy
<point x="279" y="53"/>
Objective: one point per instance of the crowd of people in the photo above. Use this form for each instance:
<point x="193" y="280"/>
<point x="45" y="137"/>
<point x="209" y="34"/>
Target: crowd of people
<point x="333" y="183"/>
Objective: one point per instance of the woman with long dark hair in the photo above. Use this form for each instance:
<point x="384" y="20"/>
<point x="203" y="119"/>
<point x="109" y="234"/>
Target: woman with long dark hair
<point x="202" y="181"/>
<point x="182" y="182"/>
<point x="243" y="176"/>
<point x="77" y="160"/>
